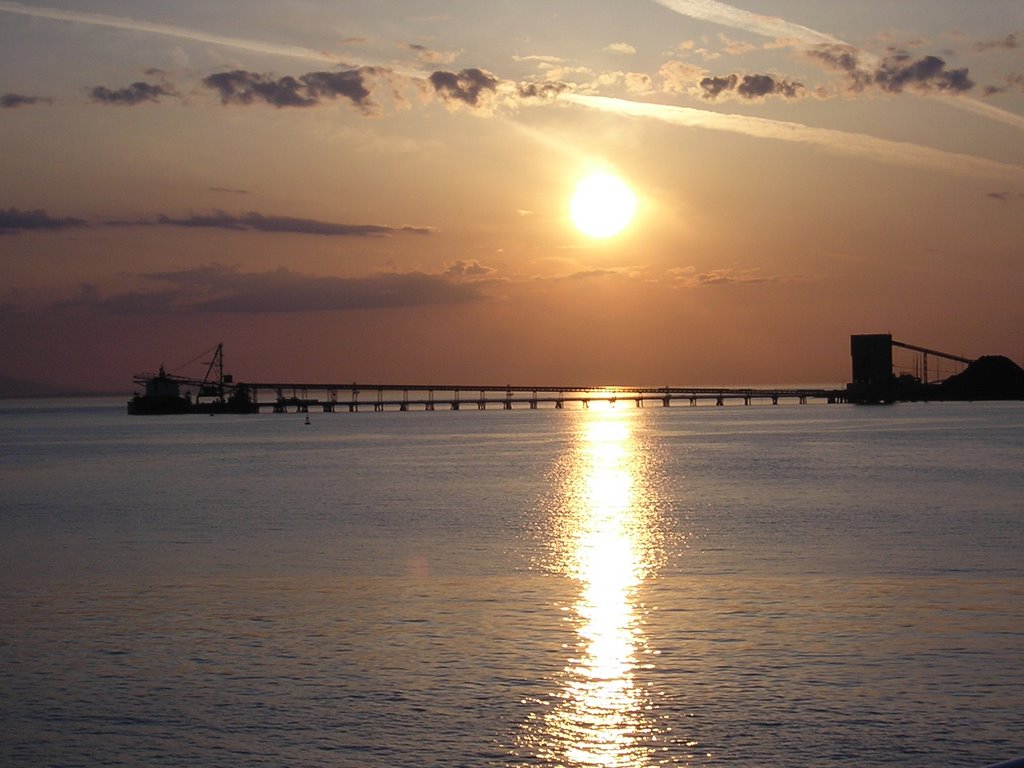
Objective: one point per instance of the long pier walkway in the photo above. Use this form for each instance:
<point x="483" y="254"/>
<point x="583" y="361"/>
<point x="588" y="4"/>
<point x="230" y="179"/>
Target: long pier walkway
<point x="301" y="398"/>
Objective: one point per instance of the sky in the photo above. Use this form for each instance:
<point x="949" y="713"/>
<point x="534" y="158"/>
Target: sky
<point x="380" y="191"/>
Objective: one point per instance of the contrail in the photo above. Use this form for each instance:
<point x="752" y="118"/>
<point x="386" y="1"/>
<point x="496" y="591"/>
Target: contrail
<point x="985" y="110"/>
<point x="117" y="22"/>
<point x="771" y="26"/>
<point x="858" y="144"/>
<point x="730" y="16"/>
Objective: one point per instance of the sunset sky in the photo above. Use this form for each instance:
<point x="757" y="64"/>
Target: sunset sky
<point x="380" y="191"/>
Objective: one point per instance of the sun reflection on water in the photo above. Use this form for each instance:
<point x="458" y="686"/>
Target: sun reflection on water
<point x="604" y="539"/>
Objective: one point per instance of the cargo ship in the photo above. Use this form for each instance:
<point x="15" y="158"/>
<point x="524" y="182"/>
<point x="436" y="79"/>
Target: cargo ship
<point x="216" y="392"/>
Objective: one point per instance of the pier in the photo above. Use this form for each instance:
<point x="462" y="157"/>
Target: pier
<point x="303" y="398"/>
<point x="874" y="381"/>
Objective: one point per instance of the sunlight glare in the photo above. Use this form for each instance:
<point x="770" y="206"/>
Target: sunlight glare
<point x="603" y="711"/>
<point x="602" y="205"/>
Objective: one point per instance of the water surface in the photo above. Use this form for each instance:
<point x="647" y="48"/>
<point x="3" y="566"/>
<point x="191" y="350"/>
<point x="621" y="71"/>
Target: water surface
<point x="775" y="585"/>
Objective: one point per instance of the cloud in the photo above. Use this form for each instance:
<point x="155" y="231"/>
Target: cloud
<point x="855" y="144"/>
<point x="473" y="88"/>
<point x="1014" y="81"/>
<point x="624" y="49"/>
<point x="788" y="33"/>
<point x="895" y="73"/>
<point x="16" y="100"/>
<point x="467" y="86"/>
<point x="241" y="87"/>
<point x="136" y="93"/>
<point x="758" y="86"/>
<point x="541" y="60"/>
<point x="898" y="71"/>
<point x="594" y="274"/>
<point x="1008" y="43"/>
<point x="14" y="220"/>
<point x="261" y="223"/>
<point x="1005" y="197"/>
<point x="689" y="277"/>
<point x="750" y="87"/>
<point x="713" y="87"/>
<point x="216" y="288"/>
<point x="350" y="84"/>
<point x="736" y="47"/>
<point x="638" y="82"/>
<point x="680" y="77"/>
<point x="468" y="269"/>
<point x="544" y="90"/>
<point x="841" y="57"/>
<point x="432" y="57"/>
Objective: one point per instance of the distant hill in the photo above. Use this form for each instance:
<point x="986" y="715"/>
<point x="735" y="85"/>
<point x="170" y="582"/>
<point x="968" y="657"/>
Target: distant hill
<point x="21" y="388"/>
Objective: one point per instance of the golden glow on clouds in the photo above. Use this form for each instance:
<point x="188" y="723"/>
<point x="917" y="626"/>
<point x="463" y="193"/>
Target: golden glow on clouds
<point x="602" y="205"/>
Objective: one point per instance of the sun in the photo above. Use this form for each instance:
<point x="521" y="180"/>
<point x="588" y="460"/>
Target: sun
<point x="602" y="205"/>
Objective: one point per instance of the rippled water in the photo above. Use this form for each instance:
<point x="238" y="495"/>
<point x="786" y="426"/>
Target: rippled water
<point x="779" y="586"/>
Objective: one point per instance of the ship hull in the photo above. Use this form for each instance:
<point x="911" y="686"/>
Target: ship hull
<point x="141" y="405"/>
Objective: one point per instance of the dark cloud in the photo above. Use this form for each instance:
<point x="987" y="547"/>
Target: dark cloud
<point x="750" y="87"/>
<point x="844" y="58"/>
<point x="1014" y="81"/>
<point x="898" y="71"/>
<point x="1005" y="197"/>
<point x="467" y="86"/>
<point x="129" y="96"/>
<point x="261" y="223"/>
<point x="216" y="288"/>
<point x="895" y="73"/>
<point x="349" y="84"/>
<point x="714" y="87"/>
<point x="757" y="86"/>
<point x="14" y="220"/>
<point x="1008" y="43"/>
<point x="16" y="100"/>
<point x="241" y="87"/>
<point x="546" y="90"/>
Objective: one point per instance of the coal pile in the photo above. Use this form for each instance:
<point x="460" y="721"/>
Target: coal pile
<point x="992" y="377"/>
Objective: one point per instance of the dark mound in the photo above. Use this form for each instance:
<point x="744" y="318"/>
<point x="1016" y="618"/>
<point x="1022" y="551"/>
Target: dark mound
<point x="992" y="377"/>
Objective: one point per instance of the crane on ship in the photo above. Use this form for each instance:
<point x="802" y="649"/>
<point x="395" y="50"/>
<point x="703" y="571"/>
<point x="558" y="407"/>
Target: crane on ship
<point x="216" y="392"/>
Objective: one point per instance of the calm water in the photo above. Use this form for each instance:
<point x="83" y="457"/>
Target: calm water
<point x="777" y="586"/>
